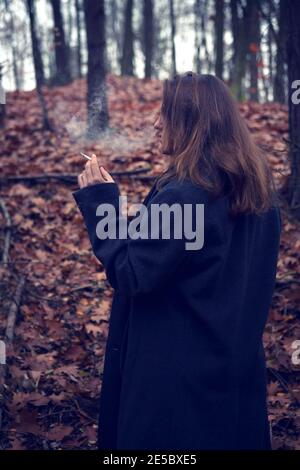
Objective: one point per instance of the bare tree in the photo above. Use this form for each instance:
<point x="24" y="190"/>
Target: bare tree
<point x="161" y="43"/>
<point x="197" y="29"/>
<point x="78" y="31"/>
<point x="63" y="74"/>
<point x="37" y="62"/>
<point x="128" y="51"/>
<point x="219" y="33"/>
<point x="13" y="38"/>
<point x="239" y="32"/>
<point x="279" y="80"/>
<point x="148" y="36"/>
<point x="173" y="34"/>
<point x="253" y="47"/>
<point x="96" y="77"/>
<point x="204" y="29"/>
<point x="270" y="42"/>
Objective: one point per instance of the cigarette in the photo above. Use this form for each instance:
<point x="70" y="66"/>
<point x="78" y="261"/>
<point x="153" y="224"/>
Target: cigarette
<point x="86" y="156"/>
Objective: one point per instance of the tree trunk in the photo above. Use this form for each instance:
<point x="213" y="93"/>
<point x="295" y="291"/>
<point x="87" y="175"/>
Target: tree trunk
<point x="253" y="49"/>
<point x="127" y="55"/>
<point x="63" y="75"/>
<point x="219" y="32"/>
<point x="78" y="30"/>
<point x="96" y="45"/>
<point x="239" y="23"/>
<point x="204" y="29"/>
<point x="270" y="63"/>
<point x="173" y="34"/>
<point x="37" y="63"/>
<point x="197" y="27"/>
<point x="12" y="38"/>
<point x="148" y="36"/>
<point x="279" y="82"/>
<point x="69" y="22"/>
<point x="115" y="31"/>
<point x="293" y="61"/>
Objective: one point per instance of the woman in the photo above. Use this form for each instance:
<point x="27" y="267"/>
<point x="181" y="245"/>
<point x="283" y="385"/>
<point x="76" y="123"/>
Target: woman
<point x="184" y="365"/>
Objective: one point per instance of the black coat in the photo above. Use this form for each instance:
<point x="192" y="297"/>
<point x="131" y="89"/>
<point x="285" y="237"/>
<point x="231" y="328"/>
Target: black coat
<point x="184" y="365"/>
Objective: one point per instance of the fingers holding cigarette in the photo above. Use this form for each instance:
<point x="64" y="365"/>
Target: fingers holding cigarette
<point x="93" y="173"/>
<point x="98" y="171"/>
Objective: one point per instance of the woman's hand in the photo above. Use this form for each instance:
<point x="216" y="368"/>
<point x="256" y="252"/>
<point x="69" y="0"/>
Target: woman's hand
<point x="93" y="173"/>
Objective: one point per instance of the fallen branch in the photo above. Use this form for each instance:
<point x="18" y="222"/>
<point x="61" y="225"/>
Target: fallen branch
<point x="9" y="335"/>
<point x="145" y="177"/>
<point x="8" y="227"/>
<point x="13" y="311"/>
<point x="67" y="177"/>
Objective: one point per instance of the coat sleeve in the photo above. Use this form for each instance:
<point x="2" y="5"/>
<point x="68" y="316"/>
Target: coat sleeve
<point x="139" y="265"/>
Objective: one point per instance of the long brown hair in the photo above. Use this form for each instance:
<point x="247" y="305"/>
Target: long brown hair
<point x="209" y="143"/>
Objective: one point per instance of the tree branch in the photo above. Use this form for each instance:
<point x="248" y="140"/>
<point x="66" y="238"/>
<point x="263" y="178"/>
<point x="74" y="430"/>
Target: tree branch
<point x="67" y="177"/>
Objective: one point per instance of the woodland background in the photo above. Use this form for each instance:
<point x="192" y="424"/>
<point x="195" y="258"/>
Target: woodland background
<point x="86" y="75"/>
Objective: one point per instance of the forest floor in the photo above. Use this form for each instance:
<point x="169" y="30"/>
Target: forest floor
<point x="55" y="360"/>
